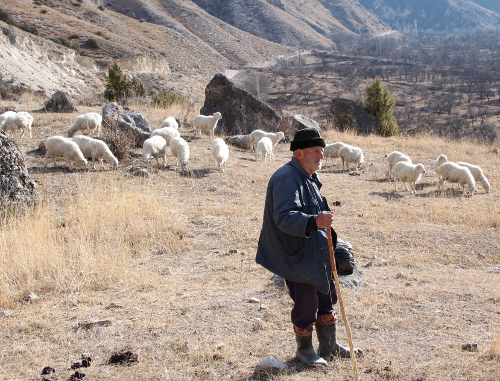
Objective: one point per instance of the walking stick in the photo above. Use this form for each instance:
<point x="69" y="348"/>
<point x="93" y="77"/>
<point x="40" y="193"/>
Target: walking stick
<point x="341" y="304"/>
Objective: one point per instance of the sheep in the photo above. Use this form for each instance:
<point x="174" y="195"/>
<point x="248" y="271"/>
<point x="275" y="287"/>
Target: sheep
<point x="440" y="160"/>
<point x="89" y="121"/>
<point x="170" y="121"/>
<point x="96" y="149"/>
<point x="11" y="120"/>
<point x="256" y="135"/>
<point x="331" y="151"/>
<point x="478" y="174"/>
<point x="351" y="154"/>
<point x="220" y="151"/>
<point x="395" y="157"/>
<point x="454" y="173"/>
<point x="155" y="146"/>
<point x="180" y="150"/>
<point x="407" y="173"/>
<point x="166" y="133"/>
<point x="206" y="123"/>
<point x="59" y="146"/>
<point x="265" y="149"/>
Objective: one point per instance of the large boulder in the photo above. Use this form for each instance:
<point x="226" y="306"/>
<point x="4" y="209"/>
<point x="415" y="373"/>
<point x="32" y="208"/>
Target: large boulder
<point x="126" y="120"/>
<point x="290" y="123"/>
<point x="60" y="102"/>
<point x="241" y="112"/>
<point x="17" y="189"/>
<point x="349" y="115"/>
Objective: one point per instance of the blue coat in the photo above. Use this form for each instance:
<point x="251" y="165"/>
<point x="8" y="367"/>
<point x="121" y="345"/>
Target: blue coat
<point x="292" y="197"/>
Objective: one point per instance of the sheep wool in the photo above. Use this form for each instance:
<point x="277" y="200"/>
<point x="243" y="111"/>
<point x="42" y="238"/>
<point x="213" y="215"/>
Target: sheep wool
<point x="155" y="147"/>
<point x="264" y="149"/>
<point x="89" y="121"/>
<point x="395" y="157"/>
<point x="170" y="121"/>
<point x="220" y="151"/>
<point x="440" y="160"/>
<point x="407" y="173"/>
<point x="167" y="133"/>
<point x="257" y="135"/>
<point x="11" y="120"/>
<point x="350" y="154"/>
<point x="478" y="175"/>
<point x="97" y="150"/>
<point x="180" y="150"/>
<point x="59" y="146"/>
<point x="331" y="151"/>
<point x="454" y="173"/>
<point x="206" y="123"/>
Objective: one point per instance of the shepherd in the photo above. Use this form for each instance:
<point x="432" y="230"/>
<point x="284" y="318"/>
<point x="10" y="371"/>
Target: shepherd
<point x="293" y="244"/>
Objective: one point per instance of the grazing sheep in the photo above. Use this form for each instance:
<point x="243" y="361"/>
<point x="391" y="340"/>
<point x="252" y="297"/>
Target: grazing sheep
<point x="170" y="121"/>
<point x="180" y="149"/>
<point x="478" y="174"/>
<point x="454" y="173"/>
<point x="154" y="147"/>
<point x="220" y="151"/>
<point x="265" y="149"/>
<point x="89" y="121"/>
<point x="331" y="151"/>
<point x="11" y="120"/>
<point x="351" y="154"/>
<point x="167" y="133"/>
<point x="96" y="149"/>
<point x="256" y="135"/>
<point x="440" y="160"/>
<point x="206" y="123"/>
<point x="407" y="173"/>
<point x="59" y="146"/>
<point x="395" y="157"/>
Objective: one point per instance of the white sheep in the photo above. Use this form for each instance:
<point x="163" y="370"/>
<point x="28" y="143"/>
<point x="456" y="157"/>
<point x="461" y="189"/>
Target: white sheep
<point x="180" y="150"/>
<point x="89" y="121"/>
<point x="265" y="149"/>
<point x="11" y="120"/>
<point x="395" y="157"/>
<point x="256" y="135"/>
<point x="167" y="133"/>
<point x="170" y="121"/>
<point x="206" y="123"/>
<point x="155" y="147"/>
<point x="59" y="146"/>
<point x="331" y="151"/>
<point x="478" y="174"/>
<point x="440" y="160"/>
<point x="96" y="149"/>
<point x="350" y="154"/>
<point x="454" y="173"/>
<point x="220" y="151"/>
<point x="407" y="173"/>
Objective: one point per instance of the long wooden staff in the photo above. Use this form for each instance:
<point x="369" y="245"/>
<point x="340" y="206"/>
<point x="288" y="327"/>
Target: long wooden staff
<point x="341" y="304"/>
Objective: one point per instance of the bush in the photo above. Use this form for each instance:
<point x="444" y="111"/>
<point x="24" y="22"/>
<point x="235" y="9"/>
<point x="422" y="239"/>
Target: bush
<point x="73" y="36"/>
<point x="121" y="142"/>
<point x="380" y="103"/>
<point x="5" y="17"/>
<point x="30" y="28"/>
<point x="101" y="7"/>
<point x="119" y="86"/>
<point x="165" y="99"/>
<point x="92" y="43"/>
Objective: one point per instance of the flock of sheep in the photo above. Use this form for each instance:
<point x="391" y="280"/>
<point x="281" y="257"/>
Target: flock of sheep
<point x="75" y="150"/>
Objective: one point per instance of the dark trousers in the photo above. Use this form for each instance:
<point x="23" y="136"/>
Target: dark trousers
<point x="309" y="303"/>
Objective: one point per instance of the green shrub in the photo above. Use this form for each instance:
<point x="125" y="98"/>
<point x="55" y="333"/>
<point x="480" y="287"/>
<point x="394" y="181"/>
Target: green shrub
<point x="119" y="86"/>
<point x="101" y="7"/>
<point x="73" y="36"/>
<point x="5" y="17"/>
<point x="92" y="43"/>
<point x="380" y="103"/>
<point x="30" y="28"/>
<point x="165" y="99"/>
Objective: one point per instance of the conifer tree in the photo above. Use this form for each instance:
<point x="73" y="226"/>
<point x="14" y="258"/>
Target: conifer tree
<point x="380" y="103"/>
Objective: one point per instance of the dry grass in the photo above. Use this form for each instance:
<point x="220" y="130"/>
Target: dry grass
<point x="169" y="260"/>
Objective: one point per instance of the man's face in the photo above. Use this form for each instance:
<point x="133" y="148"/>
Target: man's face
<point x="310" y="158"/>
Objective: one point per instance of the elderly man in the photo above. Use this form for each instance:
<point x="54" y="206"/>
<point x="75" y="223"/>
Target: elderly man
<point x="293" y="243"/>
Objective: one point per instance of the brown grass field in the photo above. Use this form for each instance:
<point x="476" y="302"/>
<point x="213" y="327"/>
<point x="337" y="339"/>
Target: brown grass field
<point x="169" y="261"/>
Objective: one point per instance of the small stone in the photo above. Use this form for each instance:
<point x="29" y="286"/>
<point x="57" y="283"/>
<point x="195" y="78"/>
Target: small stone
<point x="270" y="366"/>
<point x="262" y="307"/>
<point x="123" y="358"/>
<point x="76" y="365"/>
<point x="257" y="324"/>
<point x="494" y="270"/>
<point x="31" y="297"/>
<point x="113" y="306"/>
<point x="77" y="375"/>
<point x="94" y="323"/>
<point x="254" y="300"/>
<point x="213" y="188"/>
<point x="368" y="264"/>
<point x="254" y="218"/>
<point x="399" y="275"/>
<point x="48" y="370"/>
<point x="382" y="262"/>
<point x="233" y="251"/>
<point x="5" y="313"/>
<point x="469" y="347"/>
<point x="219" y="346"/>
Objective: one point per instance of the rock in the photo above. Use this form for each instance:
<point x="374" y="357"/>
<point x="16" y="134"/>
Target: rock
<point x="469" y="347"/>
<point x="270" y="366"/>
<point x="77" y="376"/>
<point x="31" y="297"/>
<point x="213" y="188"/>
<point x="277" y="281"/>
<point x="368" y="264"/>
<point x="241" y="141"/>
<point x="254" y="300"/>
<point x="495" y="270"/>
<point x="60" y="102"/>
<point x="48" y="370"/>
<point x="294" y="122"/>
<point x="354" y="280"/>
<point x="123" y="358"/>
<point x="257" y="324"/>
<point x="349" y="115"/>
<point x="93" y="323"/>
<point x="126" y="120"/>
<point x="137" y="171"/>
<point x="5" y="313"/>
<point x="17" y="189"/>
<point x="241" y="112"/>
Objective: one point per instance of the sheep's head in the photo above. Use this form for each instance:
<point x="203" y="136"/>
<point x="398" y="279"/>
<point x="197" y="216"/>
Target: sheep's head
<point x="420" y="168"/>
<point x="217" y="115"/>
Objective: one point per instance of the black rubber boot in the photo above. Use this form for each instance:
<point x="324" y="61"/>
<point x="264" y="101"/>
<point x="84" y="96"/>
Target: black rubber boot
<point x="306" y="353"/>
<point x="328" y="346"/>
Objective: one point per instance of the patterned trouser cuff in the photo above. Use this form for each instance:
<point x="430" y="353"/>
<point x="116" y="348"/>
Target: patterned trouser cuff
<point x="303" y="331"/>
<point x="329" y="319"/>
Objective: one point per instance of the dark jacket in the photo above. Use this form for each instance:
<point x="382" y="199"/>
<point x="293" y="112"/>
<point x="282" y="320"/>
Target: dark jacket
<point x="292" y="197"/>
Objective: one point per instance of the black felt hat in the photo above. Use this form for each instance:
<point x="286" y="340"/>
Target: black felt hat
<point x="305" y="138"/>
